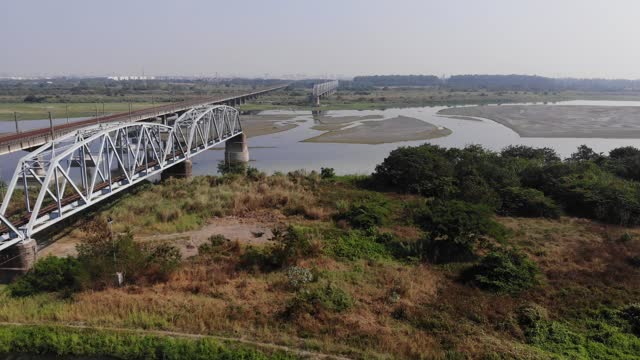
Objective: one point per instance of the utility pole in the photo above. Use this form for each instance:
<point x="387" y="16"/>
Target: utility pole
<point x="53" y="150"/>
<point x="129" y="111"/>
<point x="15" y="118"/>
<point x="103" y="109"/>
<point x="67" y="111"/>
<point x="96" y="110"/>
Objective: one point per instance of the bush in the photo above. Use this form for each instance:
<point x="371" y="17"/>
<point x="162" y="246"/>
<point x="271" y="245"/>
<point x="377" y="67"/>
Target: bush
<point x="505" y="271"/>
<point x="631" y="314"/>
<point x="289" y="246"/>
<point x="367" y="213"/>
<point x="517" y="201"/>
<point x="225" y="168"/>
<point x="101" y="255"/>
<point x="424" y="170"/>
<point x="319" y="298"/>
<point x="455" y="228"/>
<point x="298" y="277"/>
<point x="358" y="244"/>
<point x="586" y="190"/>
<point x="48" y="275"/>
<point x="327" y="173"/>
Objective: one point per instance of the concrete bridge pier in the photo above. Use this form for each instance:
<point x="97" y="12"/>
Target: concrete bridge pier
<point x="19" y="259"/>
<point x="236" y="150"/>
<point x="181" y="170"/>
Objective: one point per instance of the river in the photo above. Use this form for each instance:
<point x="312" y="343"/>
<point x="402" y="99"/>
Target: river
<point x="284" y="151"/>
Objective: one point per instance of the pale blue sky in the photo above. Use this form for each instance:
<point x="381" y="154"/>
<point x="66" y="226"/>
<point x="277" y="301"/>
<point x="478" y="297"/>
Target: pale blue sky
<point x="580" y="38"/>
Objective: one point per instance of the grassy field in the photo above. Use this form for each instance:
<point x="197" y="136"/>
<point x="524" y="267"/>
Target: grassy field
<point x="363" y="302"/>
<point x="32" y="111"/>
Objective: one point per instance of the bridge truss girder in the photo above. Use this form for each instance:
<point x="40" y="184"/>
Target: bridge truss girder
<point x="76" y="171"/>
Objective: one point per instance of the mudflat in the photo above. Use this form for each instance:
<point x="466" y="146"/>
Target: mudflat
<point x="570" y="121"/>
<point x="400" y="128"/>
<point x="326" y="123"/>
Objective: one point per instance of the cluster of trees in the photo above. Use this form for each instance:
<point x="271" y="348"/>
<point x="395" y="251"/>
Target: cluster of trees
<point x="522" y="181"/>
<point x="397" y="80"/>
<point x="496" y="82"/>
<point x="56" y="88"/>
<point x="464" y="188"/>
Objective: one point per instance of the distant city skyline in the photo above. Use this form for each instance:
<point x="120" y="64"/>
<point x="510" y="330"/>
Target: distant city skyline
<point x="278" y="38"/>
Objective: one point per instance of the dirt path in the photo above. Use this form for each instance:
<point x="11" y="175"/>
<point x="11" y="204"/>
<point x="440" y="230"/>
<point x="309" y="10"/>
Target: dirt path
<point x="245" y="230"/>
<point x="267" y="346"/>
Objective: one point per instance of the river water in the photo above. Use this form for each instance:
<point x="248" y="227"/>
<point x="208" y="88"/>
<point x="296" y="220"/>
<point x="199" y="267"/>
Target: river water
<point x="284" y="151"/>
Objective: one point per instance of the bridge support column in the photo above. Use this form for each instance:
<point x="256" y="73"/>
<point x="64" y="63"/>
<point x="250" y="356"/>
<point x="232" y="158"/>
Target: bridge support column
<point x="182" y="170"/>
<point x="236" y="150"/>
<point x="20" y="259"/>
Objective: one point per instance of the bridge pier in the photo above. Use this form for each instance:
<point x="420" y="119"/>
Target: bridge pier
<point x="20" y="259"/>
<point x="236" y="150"/>
<point x="181" y="170"/>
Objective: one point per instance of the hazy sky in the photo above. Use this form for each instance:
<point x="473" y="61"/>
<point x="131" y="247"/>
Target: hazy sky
<point x="579" y="38"/>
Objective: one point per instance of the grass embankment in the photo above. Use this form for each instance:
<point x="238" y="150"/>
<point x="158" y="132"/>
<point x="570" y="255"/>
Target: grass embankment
<point x="370" y="274"/>
<point x="85" y="342"/>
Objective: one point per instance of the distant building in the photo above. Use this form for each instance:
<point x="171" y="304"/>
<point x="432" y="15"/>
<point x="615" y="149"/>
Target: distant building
<point x="131" y="77"/>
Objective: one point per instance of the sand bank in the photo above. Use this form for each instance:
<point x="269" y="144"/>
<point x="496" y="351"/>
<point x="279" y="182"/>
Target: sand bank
<point x="570" y="121"/>
<point x="401" y="128"/>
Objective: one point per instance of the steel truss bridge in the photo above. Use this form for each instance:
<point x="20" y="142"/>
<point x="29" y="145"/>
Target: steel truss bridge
<point x="323" y="89"/>
<point x="90" y="164"/>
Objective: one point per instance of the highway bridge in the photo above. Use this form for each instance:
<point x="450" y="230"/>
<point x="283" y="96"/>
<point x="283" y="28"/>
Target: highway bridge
<point x="29" y="140"/>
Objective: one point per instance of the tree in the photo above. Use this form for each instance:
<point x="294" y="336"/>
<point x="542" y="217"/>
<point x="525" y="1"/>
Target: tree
<point x="455" y="229"/>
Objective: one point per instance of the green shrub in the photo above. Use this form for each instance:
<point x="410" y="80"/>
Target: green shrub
<point x="319" y="298"/>
<point x="505" y="271"/>
<point x="327" y="173"/>
<point x="101" y="255"/>
<point x="288" y="246"/>
<point x="297" y="277"/>
<point x="48" y="275"/>
<point x="367" y="213"/>
<point x="517" y="201"/>
<point x="586" y="190"/>
<point x="631" y="314"/>
<point x="230" y="168"/>
<point x="455" y="229"/>
<point x="357" y="244"/>
<point x="424" y="170"/>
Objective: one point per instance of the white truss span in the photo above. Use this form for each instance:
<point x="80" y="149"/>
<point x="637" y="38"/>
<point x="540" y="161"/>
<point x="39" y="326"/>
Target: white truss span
<point x="325" y="88"/>
<point x="89" y="165"/>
